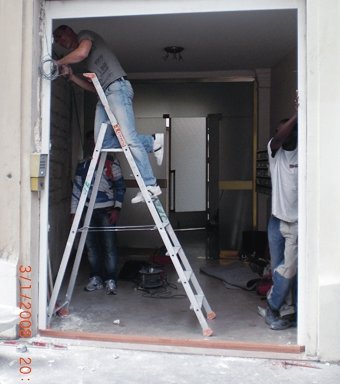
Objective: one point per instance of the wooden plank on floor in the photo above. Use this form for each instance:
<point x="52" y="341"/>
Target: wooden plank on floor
<point x="193" y="343"/>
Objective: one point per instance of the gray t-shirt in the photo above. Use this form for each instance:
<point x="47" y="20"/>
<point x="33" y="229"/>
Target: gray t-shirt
<point x="101" y="60"/>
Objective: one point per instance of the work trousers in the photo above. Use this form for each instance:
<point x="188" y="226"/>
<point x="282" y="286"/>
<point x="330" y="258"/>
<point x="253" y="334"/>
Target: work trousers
<point x="283" y="247"/>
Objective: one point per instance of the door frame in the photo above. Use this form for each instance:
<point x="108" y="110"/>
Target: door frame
<point x="75" y="9"/>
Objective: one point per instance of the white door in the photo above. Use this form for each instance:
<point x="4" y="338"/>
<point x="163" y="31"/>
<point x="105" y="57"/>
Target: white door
<point x="188" y="164"/>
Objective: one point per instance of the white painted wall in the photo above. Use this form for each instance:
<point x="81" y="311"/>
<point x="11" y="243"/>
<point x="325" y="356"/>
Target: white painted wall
<point x="19" y="120"/>
<point x="322" y="264"/>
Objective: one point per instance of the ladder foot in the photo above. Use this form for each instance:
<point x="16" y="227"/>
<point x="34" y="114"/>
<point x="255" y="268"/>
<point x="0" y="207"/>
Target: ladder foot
<point x="211" y="315"/>
<point x="207" y="332"/>
<point x="63" y="312"/>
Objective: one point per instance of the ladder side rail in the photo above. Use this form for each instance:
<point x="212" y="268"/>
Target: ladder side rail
<point x="75" y="226"/>
<point x="186" y="264"/>
<point x="87" y="221"/>
<point x="195" y="304"/>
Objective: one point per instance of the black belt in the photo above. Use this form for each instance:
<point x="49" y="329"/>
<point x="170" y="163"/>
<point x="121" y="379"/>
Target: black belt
<point x="119" y="79"/>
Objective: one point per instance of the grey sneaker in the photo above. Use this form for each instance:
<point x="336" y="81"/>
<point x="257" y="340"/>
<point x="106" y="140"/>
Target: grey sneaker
<point x="153" y="190"/>
<point x="110" y="287"/>
<point x="94" y="283"/>
<point x="158" y="148"/>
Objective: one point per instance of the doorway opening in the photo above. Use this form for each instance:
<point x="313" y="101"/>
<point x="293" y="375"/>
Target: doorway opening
<point x="146" y="109"/>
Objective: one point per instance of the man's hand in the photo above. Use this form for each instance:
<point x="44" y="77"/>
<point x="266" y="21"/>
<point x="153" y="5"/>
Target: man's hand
<point x="114" y="216"/>
<point x="66" y="71"/>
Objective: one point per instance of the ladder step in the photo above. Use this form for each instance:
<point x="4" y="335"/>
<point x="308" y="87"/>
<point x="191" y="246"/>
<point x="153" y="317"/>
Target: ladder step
<point x="176" y="251"/>
<point x="111" y="150"/>
<point x="199" y="299"/>
<point x="117" y="228"/>
<point x="187" y="274"/>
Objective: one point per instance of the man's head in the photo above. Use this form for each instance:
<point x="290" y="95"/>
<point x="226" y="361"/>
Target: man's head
<point x="65" y="37"/>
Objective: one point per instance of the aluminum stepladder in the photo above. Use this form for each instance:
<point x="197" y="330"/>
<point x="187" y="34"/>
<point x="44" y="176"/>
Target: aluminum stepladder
<point x="185" y="273"/>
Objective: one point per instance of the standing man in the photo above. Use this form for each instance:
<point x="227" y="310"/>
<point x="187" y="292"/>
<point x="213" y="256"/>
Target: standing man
<point x="283" y="223"/>
<point x="101" y="245"/>
<point x="90" y="48"/>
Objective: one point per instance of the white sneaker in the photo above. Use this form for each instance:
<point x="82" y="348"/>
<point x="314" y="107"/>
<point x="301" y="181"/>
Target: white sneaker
<point x="158" y="148"/>
<point x="153" y="190"/>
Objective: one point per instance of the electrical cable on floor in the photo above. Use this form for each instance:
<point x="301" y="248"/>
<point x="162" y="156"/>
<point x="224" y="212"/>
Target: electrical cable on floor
<point x="161" y="292"/>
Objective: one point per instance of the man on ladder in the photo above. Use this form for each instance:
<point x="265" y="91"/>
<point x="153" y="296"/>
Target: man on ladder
<point x="89" y="47"/>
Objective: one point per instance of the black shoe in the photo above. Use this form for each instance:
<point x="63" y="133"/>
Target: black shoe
<point x="274" y="320"/>
<point x="291" y="318"/>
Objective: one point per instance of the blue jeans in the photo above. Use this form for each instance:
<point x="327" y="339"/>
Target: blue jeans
<point x="283" y="247"/>
<point x="101" y="247"/>
<point x="120" y="95"/>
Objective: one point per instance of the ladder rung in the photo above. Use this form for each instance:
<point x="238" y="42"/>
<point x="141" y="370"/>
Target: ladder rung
<point x="187" y="274"/>
<point x="119" y="228"/>
<point x="199" y="300"/>
<point x="176" y="250"/>
<point x="111" y="150"/>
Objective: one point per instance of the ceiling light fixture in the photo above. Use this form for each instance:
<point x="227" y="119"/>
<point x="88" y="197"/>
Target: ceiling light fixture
<point x="173" y="52"/>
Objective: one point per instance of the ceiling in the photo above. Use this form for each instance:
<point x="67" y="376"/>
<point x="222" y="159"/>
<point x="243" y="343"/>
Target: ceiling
<point x="223" y="41"/>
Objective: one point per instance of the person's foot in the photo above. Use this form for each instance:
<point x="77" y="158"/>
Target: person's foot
<point x="275" y="322"/>
<point x="158" y="148"/>
<point x="110" y="287"/>
<point x="94" y="283"/>
<point x="153" y="190"/>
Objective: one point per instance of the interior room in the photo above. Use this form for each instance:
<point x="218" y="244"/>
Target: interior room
<point x="217" y="102"/>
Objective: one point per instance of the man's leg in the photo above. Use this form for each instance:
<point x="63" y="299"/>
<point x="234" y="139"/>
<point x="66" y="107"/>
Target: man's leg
<point x="120" y="95"/>
<point x="110" y="254"/>
<point x="284" y="276"/>
<point x="94" y="256"/>
<point x="285" y="273"/>
<point x="110" y="138"/>
<point x="276" y="242"/>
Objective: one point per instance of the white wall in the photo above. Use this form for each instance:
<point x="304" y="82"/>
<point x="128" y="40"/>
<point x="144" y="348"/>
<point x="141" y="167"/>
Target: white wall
<point x="322" y="183"/>
<point x="19" y="120"/>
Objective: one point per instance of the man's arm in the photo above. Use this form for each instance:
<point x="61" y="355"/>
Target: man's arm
<point x="67" y="72"/>
<point x="282" y="133"/>
<point x="118" y="185"/>
<point x="78" y="55"/>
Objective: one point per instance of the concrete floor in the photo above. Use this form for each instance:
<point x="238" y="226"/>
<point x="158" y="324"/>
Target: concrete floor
<point x="78" y="361"/>
<point x="131" y="312"/>
<point x="82" y="364"/>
